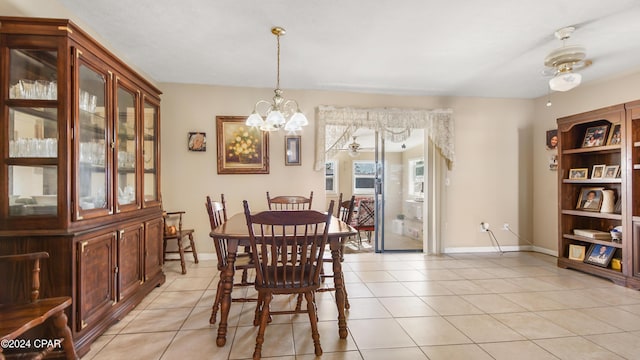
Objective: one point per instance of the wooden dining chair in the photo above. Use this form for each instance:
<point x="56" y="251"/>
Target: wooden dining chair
<point x="17" y="316"/>
<point x="287" y="249"/>
<point x="217" y="212"/>
<point x="173" y="231"/>
<point x="365" y="219"/>
<point x="345" y="211"/>
<point x="285" y="203"/>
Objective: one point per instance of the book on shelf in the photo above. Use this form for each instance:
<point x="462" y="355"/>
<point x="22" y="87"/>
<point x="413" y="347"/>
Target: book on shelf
<point x="593" y="234"/>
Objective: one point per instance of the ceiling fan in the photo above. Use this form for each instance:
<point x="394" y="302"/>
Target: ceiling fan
<point x="354" y="148"/>
<point x="564" y="61"/>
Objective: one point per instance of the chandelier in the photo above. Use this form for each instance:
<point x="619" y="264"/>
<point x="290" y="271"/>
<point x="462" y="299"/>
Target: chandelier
<point x="279" y="113"/>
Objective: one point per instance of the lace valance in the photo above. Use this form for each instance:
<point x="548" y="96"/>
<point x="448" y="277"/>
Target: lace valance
<point x="335" y="126"/>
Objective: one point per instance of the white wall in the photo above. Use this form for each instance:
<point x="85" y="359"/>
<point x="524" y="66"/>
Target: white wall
<point x="491" y="179"/>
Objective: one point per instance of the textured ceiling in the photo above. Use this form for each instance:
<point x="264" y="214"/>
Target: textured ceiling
<point x="488" y="48"/>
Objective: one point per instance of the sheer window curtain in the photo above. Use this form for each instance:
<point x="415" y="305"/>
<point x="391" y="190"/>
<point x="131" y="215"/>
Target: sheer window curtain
<point x="336" y="125"/>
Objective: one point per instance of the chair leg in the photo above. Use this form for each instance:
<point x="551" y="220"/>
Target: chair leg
<point x="245" y="276"/>
<point x="258" y="312"/>
<point x="164" y="250"/>
<point x="62" y="329"/>
<point x="313" y="318"/>
<point x="193" y="248"/>
<point x="299" y="302"/>
<point x="181" y="251"/>
<point x="216" y="303"/>
<point x="264" y="318"/>
<point x="346" y="296"/>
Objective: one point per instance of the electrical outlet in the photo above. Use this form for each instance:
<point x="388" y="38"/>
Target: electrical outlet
<point x="484" y="226"/>
<point x="505" y="226"/>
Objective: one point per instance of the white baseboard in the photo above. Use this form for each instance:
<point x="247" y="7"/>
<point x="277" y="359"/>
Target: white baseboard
<point x="487" y="249"/>
<point x="455" y="250"/>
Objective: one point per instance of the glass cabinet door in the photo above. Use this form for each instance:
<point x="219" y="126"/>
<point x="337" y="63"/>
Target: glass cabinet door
<point x="32" y="133"/>
<point x="92" y="182"/>
<point x="126" y="147"/>
<point x="149" y="152"/>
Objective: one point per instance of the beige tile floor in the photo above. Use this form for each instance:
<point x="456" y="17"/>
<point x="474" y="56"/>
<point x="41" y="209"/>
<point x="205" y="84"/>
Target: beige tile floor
<point x="403" y="306"/>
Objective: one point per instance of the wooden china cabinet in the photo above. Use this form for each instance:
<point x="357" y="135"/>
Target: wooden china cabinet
<point x="607" y="138"/>
<point x="80" y="173"/>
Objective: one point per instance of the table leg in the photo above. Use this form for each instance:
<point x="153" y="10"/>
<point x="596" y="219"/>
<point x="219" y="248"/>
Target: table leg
<point x="339" y="284"/>
<point x="227" y="287"/>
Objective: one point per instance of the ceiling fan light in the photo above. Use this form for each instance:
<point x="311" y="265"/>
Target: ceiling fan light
<point x="565" y="81"/>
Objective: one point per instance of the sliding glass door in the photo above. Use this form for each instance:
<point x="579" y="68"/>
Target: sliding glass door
<point x="399" y="191"/>
<point x="386" y="174"/>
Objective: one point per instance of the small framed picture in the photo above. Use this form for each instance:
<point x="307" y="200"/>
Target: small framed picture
<point x="292" y="150"/>
<point x="552" y="139"/>
<point x="577" y="252"/>
<point x="611" y="171"/>
<point x="615" y="136"/>
<point x="599" y="255"/>
<point x="595" y="136"/>
<point x="597" y="172"/>
<point x="590" y="199"/>
<point x="578" y="174"/>
<point x="197" y="141"/>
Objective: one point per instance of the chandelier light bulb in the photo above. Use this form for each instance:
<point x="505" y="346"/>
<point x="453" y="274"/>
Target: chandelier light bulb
<point x="254" y="120"/>
<point x="279" y="113"/>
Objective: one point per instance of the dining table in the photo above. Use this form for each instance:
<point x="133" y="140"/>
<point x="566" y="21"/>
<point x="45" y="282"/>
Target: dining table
<point x="236" y="233"/>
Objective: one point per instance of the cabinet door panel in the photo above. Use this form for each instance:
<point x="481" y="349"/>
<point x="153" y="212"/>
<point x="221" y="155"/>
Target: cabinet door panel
<point x="96" y="278"/>
<point x="150" y="153"/>
<point x="126" y="144"/>
<point x="153" y="245"/>
<point x="92" y="149"/>
<point x="130" y="247"/>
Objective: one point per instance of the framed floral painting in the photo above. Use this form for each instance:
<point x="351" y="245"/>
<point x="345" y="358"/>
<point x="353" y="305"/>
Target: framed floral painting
<point x="241" y="149"/>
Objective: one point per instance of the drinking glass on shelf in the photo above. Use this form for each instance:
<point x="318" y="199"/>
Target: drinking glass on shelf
<point x="41" y="88"/>
<point x="26" y="89"/>
<point x="84" y="100"/>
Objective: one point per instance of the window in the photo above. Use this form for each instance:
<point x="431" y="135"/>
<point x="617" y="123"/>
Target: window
<point x="416" y="178"/>
<point x="364" y="173"/>
<point x="331" y="176"/>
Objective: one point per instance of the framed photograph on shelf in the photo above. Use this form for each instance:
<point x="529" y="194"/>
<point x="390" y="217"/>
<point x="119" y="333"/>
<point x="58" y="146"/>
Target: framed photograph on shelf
<point x="615" y="136"/>
<point x="599" y="255"/>
<point x="292" y="150"/>
<point x="595" y="136"/>
<point x="241" y="149"/>
<point x="597" y="172"/>
<point x="578" y="173"/>
<point x="611" y="171"/>
<point x="590" y="199"/>
<point x="197" y="141"/>
<point x="577" y="252"/>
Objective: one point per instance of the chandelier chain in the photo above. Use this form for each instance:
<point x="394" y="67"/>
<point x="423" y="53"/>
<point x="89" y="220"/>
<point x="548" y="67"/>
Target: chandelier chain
<point x="278" y="72"/>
